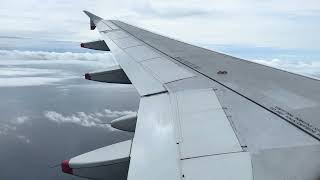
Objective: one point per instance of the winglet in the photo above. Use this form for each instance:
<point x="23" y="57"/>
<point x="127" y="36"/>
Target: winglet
<point x="93" y="19"/>
<point x="92" y="16"/>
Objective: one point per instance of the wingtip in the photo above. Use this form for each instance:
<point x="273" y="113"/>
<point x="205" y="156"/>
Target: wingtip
<point x="86" y="12"/>
<point x="92" y="16"/>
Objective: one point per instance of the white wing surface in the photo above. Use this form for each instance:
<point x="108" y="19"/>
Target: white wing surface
<point x="206" y="115"/>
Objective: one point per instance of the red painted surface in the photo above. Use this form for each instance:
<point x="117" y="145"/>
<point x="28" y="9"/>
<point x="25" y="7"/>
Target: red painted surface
<point x="65" y="167"/>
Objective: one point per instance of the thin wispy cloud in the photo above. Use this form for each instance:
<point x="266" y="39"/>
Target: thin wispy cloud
<point x="10" y="128"/>
<point x="98" y="119"/>
<point x="18" y="71"/>
<point x="31" y="81"/>
<point x="6" y="128"/>
<point x="174" y="10"/>
<point x="308" y="68"/>
<point x="241" y="22"/>
<point x="24" y="139"/>
<point x="21" y="120"/>
<point x="43" y="55"/>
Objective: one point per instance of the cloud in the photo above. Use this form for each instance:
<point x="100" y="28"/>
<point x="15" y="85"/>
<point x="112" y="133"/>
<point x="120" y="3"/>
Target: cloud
<point x="11" y="76"/>
<point x="10" y="37"/>
<point x="6" y="128"/>
<point x="15" y="71"/>
<point x="97" y="119"/>
<point x="21" y="77"/>
<point x="308" y="68"/>
<point x="10" y="128"/>
<point x="231" y="22"/>
<point x="21" y="120"/>
<point x="243" y="22"/>
<point x="30" y="81"/>
<point x="113" y="114"/>
<point x="168" y="9"/>
<point x="24" y="139"/>
<point x="42" y="55"/>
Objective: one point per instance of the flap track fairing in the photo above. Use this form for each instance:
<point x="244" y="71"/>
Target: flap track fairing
<point x="112" y="74"/>
<point x="96" y="45"/>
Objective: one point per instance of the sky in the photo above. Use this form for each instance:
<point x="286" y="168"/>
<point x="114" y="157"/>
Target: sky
<point x="281" y="32"/>
<point x="286" y="24"/>
<point x="50" y="113"/>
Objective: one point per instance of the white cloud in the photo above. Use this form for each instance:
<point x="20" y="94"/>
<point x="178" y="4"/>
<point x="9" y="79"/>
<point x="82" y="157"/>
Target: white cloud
<point x="30" y="81"/>
<point x="114" y="114"/>
<point x="11" y="76"/>
<point x="285" y="23"/>
<point x="42" y="55"/>
<point x="6" y="128"/>
<point x="16" y="71"/>
<point x="10" y="128"/>
<point x="21" y="120"/>
<point x="308" y="68"/>
<point x="24" y="139"/>
<point x="97" y="119"/>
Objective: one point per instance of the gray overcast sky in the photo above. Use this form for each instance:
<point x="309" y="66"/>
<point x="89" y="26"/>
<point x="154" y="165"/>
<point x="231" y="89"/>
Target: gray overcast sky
<point x="286" y="24"/>
<point x="283" y="34"/>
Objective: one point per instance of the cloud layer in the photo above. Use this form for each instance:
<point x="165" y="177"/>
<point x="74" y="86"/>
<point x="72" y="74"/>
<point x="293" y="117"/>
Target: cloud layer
<point x="282" y="24"/>
<point x="42" y="55"/>
<point x="308" y="68"/>
<point x="10" y="128"/>
<point x="98" y="119"/>
<point x="12" y="75"/>
<point x="30" y="81"/>
<point x="20" y="68"/>
<point x="18" y="71"/>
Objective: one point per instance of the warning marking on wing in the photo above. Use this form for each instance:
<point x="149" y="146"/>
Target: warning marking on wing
<point x="297" y="121"/>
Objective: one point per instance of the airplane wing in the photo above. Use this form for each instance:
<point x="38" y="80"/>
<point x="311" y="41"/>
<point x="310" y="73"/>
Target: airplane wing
<point x="203" y="114"/>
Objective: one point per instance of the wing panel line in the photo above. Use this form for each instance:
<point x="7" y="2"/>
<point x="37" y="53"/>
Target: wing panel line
<point x="316" y="136"/>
